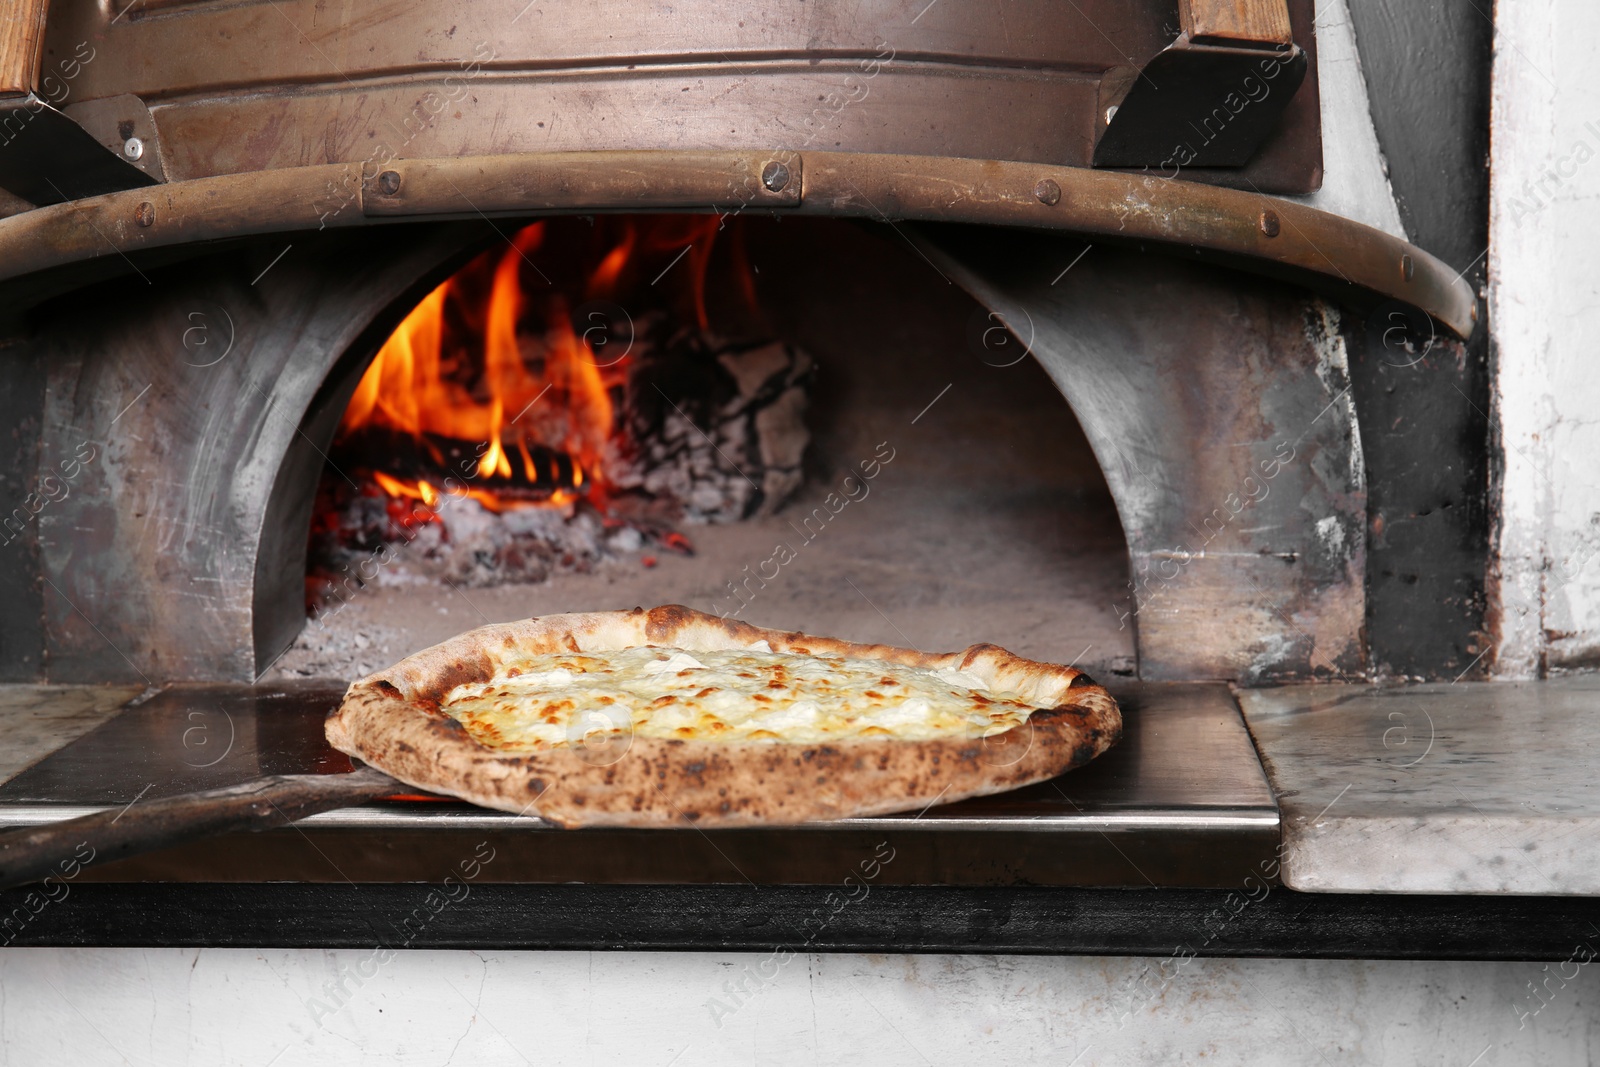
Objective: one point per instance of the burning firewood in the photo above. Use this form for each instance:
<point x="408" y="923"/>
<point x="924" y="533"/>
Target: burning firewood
<point x="502" y="441"/>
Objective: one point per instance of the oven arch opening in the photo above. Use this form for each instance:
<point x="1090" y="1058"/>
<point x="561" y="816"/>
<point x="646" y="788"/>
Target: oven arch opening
<point x="1001" y="527"/>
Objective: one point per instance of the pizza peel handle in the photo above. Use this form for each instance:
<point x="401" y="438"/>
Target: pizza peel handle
<point x="34" y="853"/>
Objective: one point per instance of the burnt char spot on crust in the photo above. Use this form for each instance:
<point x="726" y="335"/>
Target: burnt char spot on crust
<point x="659" y="621"/>
<point x="1046" y="716"/>
<point x="388" y="688"/>
<point x="663" y="625"/>
<point x="1081" y="681"/>
<point x="1083" y="752"/>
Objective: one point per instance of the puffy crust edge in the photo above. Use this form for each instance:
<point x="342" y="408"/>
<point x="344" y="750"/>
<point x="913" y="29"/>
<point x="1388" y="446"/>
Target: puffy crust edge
<point x="392" y="720"/>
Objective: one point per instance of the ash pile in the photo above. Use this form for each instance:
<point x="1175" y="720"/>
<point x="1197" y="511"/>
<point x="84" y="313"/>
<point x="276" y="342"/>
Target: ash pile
<point x="708" y="431"/>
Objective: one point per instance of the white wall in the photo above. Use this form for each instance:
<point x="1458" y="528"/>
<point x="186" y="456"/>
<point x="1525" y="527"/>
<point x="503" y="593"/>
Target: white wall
<point x="177" y="1007"/>
<point x="1544" y="272"/>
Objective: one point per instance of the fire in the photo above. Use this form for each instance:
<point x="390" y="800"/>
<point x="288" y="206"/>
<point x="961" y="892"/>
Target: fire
<point x="490" y="364"/>
<point x="532" y="390"/>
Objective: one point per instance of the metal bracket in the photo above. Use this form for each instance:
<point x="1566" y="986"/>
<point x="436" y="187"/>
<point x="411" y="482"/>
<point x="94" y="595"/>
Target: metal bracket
<point x="722" y="182"/>
<point x="46" y="158"/>
<point x="1195" y="105"/>
<point x="124" y="125"/>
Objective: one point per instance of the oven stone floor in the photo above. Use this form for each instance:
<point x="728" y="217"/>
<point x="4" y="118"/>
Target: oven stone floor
<point x="910" y="565"/>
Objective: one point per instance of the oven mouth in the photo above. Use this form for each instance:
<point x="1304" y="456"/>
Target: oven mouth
<point x="773" y="394"/>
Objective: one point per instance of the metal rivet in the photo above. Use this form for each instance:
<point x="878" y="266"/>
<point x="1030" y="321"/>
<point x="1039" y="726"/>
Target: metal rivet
<point x="1407" y="268"/>
<point x="1269" y="223"/>
<point x="133" y="148"/>
<point x="775" y="176"/>
<point x="389" y="182"/>
<point x="145" y="213"/>
<point x="1048" y="192"/>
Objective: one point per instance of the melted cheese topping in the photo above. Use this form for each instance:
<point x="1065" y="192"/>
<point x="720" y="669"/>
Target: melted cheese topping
<point x="753" y="694"/>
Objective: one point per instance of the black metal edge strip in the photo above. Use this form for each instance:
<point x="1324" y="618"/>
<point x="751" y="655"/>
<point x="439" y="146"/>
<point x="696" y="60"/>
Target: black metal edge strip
<point x="1159" y="922"/>
<point x="1255" y="232"/>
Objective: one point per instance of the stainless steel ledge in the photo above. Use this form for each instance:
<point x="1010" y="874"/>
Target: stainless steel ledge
<point x="1181" y="801"/>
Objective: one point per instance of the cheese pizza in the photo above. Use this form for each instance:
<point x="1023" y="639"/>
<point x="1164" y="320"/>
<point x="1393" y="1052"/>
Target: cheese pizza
<point x="672" y="716"/>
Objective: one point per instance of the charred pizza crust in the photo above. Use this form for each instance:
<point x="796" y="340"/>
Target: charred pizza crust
<point x="392" y="720"/>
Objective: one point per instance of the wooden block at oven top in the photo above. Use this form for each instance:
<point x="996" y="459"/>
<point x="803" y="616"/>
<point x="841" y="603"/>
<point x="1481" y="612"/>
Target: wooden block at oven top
<point x="1251" y="22"/>
<point x="21" y="45"/>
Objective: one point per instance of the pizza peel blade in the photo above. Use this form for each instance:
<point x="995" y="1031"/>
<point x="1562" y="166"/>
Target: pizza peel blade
<point x="33" y="853"/>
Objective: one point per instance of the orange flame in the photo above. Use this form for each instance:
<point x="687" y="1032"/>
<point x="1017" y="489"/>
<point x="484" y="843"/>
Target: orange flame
<point x="551" y="383"/>
<point x="541" y="386"/>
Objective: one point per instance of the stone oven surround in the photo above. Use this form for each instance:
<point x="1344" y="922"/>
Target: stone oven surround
<point x="193" y="406"/>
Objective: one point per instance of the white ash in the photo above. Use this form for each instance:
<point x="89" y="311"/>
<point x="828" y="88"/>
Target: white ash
<point x="739" y="459"/>
<point x="474" y="547"/>
<point x="326" y="649"/>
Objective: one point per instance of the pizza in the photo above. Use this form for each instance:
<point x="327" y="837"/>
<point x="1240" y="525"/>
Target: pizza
<point x="672" y="716"/>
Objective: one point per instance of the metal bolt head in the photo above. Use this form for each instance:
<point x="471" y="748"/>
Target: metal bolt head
<point x="145" y="213"/>
<point x="1270" y="224"/>
<point x="133" y="148"/>
<point x="389" y="182"/>
<point x="1048" y="192"/>
<point x="775" y="176"/>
